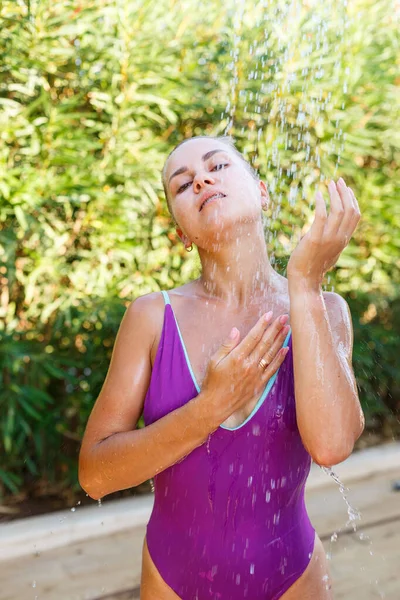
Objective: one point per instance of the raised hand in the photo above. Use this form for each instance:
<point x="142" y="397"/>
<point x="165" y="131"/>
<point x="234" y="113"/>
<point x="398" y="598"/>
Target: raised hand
<point x="239" y="371"/>
<point x="320" y="248"/>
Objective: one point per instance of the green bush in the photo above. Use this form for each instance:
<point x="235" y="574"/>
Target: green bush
<point x="93" y="96"/>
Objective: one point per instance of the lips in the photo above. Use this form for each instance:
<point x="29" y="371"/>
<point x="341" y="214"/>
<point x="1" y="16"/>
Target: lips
<point x="209" y="195"/>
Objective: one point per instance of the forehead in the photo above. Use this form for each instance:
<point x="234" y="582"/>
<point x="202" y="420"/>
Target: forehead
<point x="192" y="151"/>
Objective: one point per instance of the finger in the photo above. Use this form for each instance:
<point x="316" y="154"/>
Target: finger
<point x="355" y="202"/>
<point x="276" y="347"/>
<point x="318" y="226"/>
<point x="254" y="336"/>
<point x="357" y="213"/>
<point x="353" y="216"/>
<point x="275" y="364"/>
<point x="227" y="345"/>
<point x="347" y="224"/>
<point x="352" y="197"/>
<point x="270" y="343"/>
<point x="336" y="212"/>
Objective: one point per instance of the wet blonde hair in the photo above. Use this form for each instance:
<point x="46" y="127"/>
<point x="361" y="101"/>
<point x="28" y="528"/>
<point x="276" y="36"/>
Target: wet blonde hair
<point x="225" y="139"/>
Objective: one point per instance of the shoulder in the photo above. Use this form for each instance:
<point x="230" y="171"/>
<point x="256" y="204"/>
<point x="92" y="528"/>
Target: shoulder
<point x="337" y="307"/>
<point x="143" y="305"/>
<point x="144" y="316"/>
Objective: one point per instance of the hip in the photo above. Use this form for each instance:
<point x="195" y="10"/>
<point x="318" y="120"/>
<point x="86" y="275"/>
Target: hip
<point x="174" y="574"/>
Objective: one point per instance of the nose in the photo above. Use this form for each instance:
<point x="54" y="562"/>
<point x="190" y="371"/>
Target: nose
<point x="201" y="180"/>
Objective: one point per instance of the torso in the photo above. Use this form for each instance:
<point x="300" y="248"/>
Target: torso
<point x="206" y="323"/>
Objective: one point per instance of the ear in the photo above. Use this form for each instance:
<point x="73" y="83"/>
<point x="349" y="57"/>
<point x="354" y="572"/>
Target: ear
<point x="264" y="194"/>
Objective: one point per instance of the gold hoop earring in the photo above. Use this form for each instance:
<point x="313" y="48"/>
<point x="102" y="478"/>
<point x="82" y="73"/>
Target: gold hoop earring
<point x="190" y="248"/>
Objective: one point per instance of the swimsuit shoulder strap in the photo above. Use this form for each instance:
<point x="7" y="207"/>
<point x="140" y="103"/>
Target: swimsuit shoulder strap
<point x="166" y="297"/>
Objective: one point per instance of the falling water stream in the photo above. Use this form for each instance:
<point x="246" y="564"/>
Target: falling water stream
<point x="276" y="69"/>
<point x="354" y="516"/>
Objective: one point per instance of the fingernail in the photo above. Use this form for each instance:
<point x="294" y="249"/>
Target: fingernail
<point x="283" y="319"/>
<point x="268" y="315"/>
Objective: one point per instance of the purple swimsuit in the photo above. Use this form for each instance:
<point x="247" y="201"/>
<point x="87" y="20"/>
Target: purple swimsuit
<point x="229" y="520"/>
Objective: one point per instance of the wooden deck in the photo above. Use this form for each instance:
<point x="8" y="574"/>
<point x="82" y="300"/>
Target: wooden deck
<point x="108" y="568"/>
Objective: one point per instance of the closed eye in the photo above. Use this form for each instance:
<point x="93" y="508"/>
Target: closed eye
<point x="183" y="187"/>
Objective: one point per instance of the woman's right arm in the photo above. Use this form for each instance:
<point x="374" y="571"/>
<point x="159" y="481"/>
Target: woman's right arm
<point x="114" y="454"/>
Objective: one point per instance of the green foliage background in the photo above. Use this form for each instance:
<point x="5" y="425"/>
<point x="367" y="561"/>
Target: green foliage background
<point x="93" y="96"/>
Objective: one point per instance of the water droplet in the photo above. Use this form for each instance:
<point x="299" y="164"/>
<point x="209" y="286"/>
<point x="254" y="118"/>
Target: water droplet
<point x="276" y="518"/>
<point x="208" y="445"/>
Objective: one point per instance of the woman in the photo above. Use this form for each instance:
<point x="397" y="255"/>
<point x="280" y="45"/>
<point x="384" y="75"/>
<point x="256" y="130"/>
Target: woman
<point x="243" y="377"/>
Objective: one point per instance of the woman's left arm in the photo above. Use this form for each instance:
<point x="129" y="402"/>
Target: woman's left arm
<point x="328" y="410"/>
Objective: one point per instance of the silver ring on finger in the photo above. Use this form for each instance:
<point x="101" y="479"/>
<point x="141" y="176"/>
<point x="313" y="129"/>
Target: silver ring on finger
<point x="263" y="364"/>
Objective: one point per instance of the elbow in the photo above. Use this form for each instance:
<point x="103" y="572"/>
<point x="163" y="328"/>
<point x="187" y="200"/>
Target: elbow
<point x="326" y="457"/>
<point x="86" y="480"/>
<point x="362" y="425"/>
<point x="88" y="487"/>
<point x="335" y="454"/>
<point x="329" y="460"/>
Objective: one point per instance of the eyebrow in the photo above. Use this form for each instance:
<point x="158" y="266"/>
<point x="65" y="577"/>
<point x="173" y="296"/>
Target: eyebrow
<point x="205" y="157"/>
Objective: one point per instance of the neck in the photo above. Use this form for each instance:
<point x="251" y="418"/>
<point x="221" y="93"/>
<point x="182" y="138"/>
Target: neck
<point x="238" y="274"/>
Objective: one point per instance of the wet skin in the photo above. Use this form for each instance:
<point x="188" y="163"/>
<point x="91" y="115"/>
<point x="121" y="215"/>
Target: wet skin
<point x="201" y="341"/>
<point x="311" y="585"/>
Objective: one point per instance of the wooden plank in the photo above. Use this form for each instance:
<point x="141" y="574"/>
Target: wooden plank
<point x="81" y="571"/>
<point x="367" y="569"/>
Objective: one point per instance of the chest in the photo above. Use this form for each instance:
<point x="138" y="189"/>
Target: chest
<point x="202" y="332"/>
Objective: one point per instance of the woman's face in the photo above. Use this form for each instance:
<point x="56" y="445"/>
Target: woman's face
<point x="203" y="167"/>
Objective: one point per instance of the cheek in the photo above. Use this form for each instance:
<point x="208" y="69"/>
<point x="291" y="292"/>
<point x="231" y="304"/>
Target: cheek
<point x="186" y="216"/>
<point x="245" y="195"/>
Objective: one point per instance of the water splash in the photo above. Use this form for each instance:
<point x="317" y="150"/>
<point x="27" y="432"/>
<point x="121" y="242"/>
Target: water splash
<point x="208" y="445"/>
<point x="354" y="516"/>
<point x="232" y="100"/>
